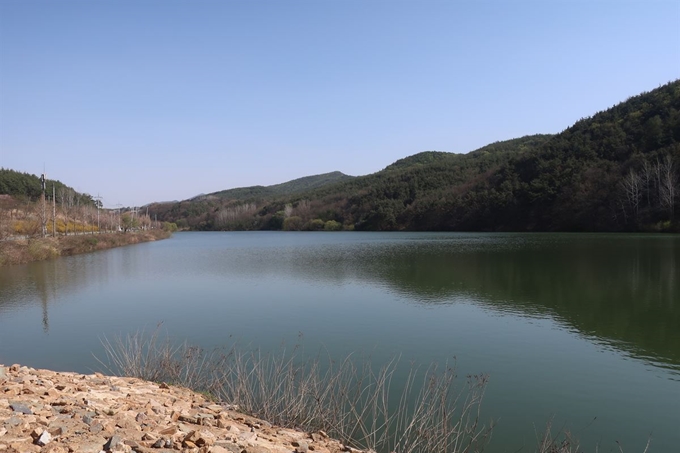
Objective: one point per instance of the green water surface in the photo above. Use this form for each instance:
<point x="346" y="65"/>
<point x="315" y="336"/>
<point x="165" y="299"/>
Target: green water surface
<point x="583" y="329"/>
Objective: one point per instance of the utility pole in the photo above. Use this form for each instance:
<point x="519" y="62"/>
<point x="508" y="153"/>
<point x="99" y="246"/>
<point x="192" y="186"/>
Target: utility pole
<point x="134" y="211"/>
<point x="54" y="213"/>
<point x="98" y="202"/>
<point x="44" y="211"/>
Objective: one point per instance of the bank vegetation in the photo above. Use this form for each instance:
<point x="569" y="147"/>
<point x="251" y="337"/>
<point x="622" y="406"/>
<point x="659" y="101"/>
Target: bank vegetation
<point x="43" y="220"/>
<point x="397" y="407"/>
<point x="26" y="250"/>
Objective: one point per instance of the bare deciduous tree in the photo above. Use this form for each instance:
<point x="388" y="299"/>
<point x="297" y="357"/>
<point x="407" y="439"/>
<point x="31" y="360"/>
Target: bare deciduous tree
<point x="288" y="210"/>
<point x="632" y="190"/>
<point x="667" y="184"/>
<point x="67" y="200"/>
<point x="234" y="213"/>
<point x="647" y="177"/>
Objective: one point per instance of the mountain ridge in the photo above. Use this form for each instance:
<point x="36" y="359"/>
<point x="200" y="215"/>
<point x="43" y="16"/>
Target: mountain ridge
<point x="578" y="180"/>
<point x="284" y="188"/>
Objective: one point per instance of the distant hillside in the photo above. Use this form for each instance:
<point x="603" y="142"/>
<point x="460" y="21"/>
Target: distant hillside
<point x="615" y="171"/>
<point x="201" y="211"/>
<point x="286" y="188"/>
<point x="261" y="207"/>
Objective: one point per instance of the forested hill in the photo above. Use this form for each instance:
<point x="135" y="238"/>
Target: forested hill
<point x="277" y="190"/>
<point x="207" y="211"/>
<point x="614" y="171"/>
<point x="27" y="186"/>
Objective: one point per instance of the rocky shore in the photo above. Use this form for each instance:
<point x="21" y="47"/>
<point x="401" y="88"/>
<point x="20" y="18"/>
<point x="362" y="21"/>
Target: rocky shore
<point x="57" y="412"/>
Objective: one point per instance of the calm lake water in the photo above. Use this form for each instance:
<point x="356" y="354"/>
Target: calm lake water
<point x="584" y="328"/>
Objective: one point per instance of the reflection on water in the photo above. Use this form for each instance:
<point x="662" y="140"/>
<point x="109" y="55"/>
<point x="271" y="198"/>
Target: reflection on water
<point x="583" y="325"/>
<point x="49" y="281"/>
<point x="620" y="289"/>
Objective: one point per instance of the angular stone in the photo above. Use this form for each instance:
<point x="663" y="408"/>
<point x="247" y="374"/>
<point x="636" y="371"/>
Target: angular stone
<point x="44" y="439"/>
<point x="131" y="443"/>
<point x="112" y="443"/>
<point x="53" y="393"/>
<point x="148" y="437"/>
<point x="188" y="419"/>
<point x="36" y="433"/>
<point x="199" y="438"/>
<point x="168" y="431"/>
<point x="127" y="424"/>
<point x="57" y="430"/>
<point x="20" y="408"/>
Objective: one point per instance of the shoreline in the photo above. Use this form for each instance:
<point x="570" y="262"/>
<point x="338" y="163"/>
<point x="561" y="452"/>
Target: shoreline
<point x="23" y="251"/>
<point x="62" y="412"/>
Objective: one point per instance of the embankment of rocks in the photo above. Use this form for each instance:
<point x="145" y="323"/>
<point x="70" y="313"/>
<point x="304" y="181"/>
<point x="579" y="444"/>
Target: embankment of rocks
<point x="57" y="412"/>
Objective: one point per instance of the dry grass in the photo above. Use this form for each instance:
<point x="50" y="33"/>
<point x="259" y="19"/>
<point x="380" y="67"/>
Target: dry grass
<point x="350" y="400"/>
<point x="38" y="249"/>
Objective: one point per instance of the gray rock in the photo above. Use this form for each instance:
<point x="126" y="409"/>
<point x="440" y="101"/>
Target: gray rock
<point x="112" y="443"/>
<point x="88" y="419"/>
<point x="13" y="421"/>
<point x="21" y="408"/>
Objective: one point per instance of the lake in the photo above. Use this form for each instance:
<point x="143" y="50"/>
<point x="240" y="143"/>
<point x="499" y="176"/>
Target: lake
<point x="583" y="329"/>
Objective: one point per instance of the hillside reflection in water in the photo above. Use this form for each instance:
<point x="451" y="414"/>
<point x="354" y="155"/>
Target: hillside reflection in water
<point x="579" y="325"/>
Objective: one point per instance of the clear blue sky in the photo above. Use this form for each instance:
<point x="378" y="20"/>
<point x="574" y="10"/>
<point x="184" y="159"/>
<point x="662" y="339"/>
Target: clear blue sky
<point x="144" y="101"/>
